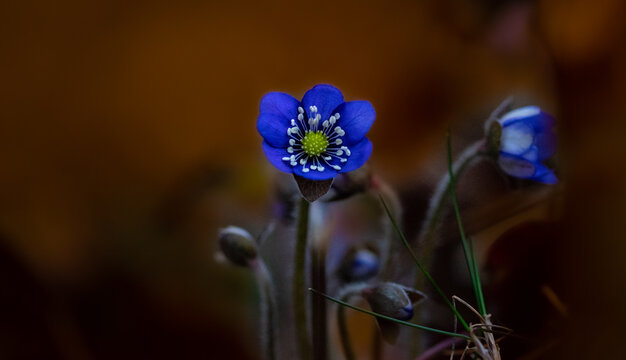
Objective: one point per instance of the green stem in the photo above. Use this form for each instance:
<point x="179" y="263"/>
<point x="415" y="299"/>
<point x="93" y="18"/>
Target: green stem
<point x="406" y="323"/>
<point x="299" y="287"/>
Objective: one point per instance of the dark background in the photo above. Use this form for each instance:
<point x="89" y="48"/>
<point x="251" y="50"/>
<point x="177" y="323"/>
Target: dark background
<point x="127" y="137"/>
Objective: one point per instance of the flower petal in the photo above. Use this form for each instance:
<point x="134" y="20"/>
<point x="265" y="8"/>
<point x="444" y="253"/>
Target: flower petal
<point x="517" y="138"/>
<point x="356" y="119"/>
<point x="359" y="155"/>
<point x="276" y="111"/>
<point x="546" y="144"/>
<point x="532" y="154"/>
<point x="524" y="169"/>
<point x="325" y="97"/>
<point x="516" y="167"/>
<point x="544" y="175"/>
<point x="532" y="116"/>
<point x="275" y="156"/>
<point x="328" y="173"/>
<point x="519" y="114"/>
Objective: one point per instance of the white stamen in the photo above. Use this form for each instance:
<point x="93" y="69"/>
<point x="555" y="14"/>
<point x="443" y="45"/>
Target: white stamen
<point x="336" y="167"/>
<point x="313" y="167"/>
<point x="286" y="158"/>
<point x="339" y="152"/>
<point x="293" y="122"/>
<point x="319" y="168"/>
<point x="325" y="123"/>
<point x="312" y="108"/>
<point x="288" y="131"/>
<point x="290" y="150"/>
<point x="337" y="116"/>
<point x="292" y="142"/>
<point x="348" y="152"/>
<point x="338" y="142"/>
<point x="327" y="158"/>
<point x="302" y="161"/>
<point x="344" y="160"/>
<point x="305" y="170"/>
<point x="293" y="163"/>
<point x="318" y="117"/>
<point x="300" y="110"/>
<point x="300" y="116"/>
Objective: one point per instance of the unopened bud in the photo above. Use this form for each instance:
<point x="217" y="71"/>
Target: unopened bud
<point x="395" y="301"/>
<point x="238" y="245"/>
<point x="359" y="265"/>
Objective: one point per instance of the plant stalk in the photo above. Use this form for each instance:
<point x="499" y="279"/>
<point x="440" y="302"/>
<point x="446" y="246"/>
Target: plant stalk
<point x="319" y="314"/>
<point x="299" y="287"/>
<point x="268" y="308"/>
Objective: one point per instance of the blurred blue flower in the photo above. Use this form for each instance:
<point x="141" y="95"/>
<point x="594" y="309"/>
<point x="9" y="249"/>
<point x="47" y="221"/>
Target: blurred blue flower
<point x="527" y="139"/>
<point x="359" y="265"/>
<point x="317" y="138"/>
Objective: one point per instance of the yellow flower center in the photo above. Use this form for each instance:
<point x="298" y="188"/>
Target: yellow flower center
<point x="314" y="143"/>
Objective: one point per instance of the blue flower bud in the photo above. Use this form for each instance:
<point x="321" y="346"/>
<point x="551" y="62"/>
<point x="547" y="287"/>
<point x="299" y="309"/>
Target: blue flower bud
<point x="359" y="265"/>
<point x="521" y="140"/>
<point x="238" y="246"/>
<point x="395" y="301"/>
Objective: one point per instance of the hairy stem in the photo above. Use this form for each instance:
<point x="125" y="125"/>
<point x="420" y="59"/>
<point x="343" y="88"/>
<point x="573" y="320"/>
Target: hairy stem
<point x="299" y="287"/>
<point x="268" y="309"/>
<point x="345" y="294"/>
<point x="427" y="239"/>
<point x="318" y="281"/>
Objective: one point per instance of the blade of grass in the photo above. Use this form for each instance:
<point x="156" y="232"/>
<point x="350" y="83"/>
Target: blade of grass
<point x="420" y="266"/>
<point x="468" y="247"/>
<point x="406" y="323"/>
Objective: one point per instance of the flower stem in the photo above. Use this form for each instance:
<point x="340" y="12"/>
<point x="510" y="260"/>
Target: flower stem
<point x="427" y="240"/>
<point x="318" y="281"/>
<point x="468" y="246"/>
<point x="344" y="336"/>
<point x="426" y="237"/>
<point x="299" y="287"/>
<point x="268" y="308"/>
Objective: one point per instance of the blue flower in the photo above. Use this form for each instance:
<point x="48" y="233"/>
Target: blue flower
<point x="317" y="138"/>
<point x="527" y="140"/>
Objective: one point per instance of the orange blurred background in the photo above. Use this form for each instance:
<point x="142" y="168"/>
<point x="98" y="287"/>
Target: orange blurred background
<point x="127" y="137"/>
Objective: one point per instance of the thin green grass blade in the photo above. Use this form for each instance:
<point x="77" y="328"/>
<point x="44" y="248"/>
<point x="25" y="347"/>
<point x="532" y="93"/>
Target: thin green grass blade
<point x="419" y="264"/>
<point x="468" y="247"/>
<point x="406" y="323"/>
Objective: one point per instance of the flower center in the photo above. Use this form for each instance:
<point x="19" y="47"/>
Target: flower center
<point x="314" y="143"/>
